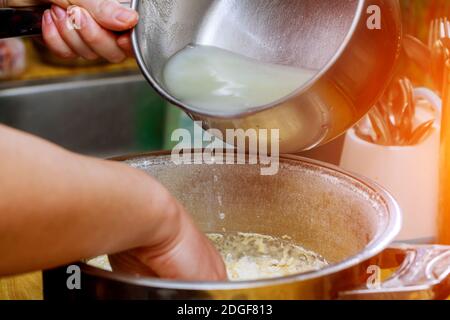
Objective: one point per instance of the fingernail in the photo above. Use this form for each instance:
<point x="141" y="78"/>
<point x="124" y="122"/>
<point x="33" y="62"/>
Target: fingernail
<point x="126" y="16"/>
<point x="58" y="12"/>
<point x="74" y="17"/>
<point x="48" y="17"/>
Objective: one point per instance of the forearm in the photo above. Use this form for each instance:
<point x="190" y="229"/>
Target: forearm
<point x="57" y="207"/>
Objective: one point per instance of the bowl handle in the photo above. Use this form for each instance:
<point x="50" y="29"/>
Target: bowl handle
<point x="423" y="273"/>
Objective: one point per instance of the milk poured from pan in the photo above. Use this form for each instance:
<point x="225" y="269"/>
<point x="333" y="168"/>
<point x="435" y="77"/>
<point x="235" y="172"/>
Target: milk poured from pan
<point x="214" y="79"/>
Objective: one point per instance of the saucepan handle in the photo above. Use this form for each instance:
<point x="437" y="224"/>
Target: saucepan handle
<point x="424" y="273"/>
<point x="19" y="18"/>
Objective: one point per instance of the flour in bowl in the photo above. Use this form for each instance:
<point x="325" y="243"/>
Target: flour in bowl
<point x="250" y="256"/>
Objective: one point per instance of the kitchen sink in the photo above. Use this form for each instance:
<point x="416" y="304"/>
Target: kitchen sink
<point x="102" y="115"/>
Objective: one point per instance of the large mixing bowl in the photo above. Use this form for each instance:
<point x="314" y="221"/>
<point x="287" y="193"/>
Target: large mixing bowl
<point x="346" y="219"/>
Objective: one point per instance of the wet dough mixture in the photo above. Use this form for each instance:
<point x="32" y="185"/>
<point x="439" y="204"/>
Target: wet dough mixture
<point x="251" y="256"/>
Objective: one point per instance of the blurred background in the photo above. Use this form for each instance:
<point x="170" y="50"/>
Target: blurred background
<point x="94" y="108"/>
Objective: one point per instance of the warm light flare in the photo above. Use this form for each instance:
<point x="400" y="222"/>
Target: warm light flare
<point x="444" y="208"/>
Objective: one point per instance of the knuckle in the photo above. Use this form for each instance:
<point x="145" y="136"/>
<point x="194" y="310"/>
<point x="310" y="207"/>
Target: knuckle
<point x="91" y="57"/>
<point x="63" y="28"/>
<point x="59" y="50"/>
<point x="117" y="58"/>
<point x="173" y="210"/>
<point x="92" y="35"/>
<point x="68" y="55"/>
<point x="65" y="54"/>
<point x="106" y="7"/>
<point x="49" y="37"/>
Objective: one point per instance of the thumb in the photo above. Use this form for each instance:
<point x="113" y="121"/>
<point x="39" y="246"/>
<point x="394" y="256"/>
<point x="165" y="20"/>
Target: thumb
<point x="110" y="14"/>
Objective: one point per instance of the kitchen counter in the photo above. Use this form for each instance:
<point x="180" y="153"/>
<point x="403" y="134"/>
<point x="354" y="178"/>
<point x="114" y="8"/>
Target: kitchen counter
<point x="37" y="69"/>
<point x="29" y="287"/>
<point x="24" y="287"/>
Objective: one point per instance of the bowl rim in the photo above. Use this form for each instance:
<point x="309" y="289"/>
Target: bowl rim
<point x="319" y="75"/>
<point x="378" y="244"/>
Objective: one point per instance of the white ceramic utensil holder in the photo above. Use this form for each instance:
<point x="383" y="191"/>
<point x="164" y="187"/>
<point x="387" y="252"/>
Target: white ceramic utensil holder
<point x="410" y="173"/>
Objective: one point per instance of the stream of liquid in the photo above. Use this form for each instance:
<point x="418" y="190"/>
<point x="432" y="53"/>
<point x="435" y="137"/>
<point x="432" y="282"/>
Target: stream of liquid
<point x="214" y="79"/>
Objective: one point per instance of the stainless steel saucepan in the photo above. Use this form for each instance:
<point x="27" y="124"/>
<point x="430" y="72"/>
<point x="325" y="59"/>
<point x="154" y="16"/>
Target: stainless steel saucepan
<point x="354" y="62"/>
<point x="348" y="220"/>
